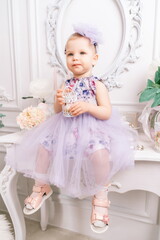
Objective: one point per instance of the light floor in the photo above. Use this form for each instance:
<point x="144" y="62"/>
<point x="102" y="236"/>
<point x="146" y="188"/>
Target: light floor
<point x="52" y="233"/>
<point x="34" y="232"/>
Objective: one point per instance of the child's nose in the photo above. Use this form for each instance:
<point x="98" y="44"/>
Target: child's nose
<point x="75" y="57"/>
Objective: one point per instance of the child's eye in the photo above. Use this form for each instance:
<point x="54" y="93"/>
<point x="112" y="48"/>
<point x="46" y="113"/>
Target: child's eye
<point x="70" y="54"/>
<point x="82" y="53"/>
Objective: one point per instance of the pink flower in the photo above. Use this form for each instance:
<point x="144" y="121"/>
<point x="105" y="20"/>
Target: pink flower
<point x="31" y="117"/>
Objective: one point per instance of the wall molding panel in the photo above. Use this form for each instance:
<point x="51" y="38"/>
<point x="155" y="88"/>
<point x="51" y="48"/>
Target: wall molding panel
<point x="156" y="45"/>
<point x="33" y="24"/>
<point x="12" y="59"/>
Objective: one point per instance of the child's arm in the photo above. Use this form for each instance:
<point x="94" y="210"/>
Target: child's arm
<point x="59" y="100"/>
<point x="101" y="111"/>
<point x="104" y="107"/>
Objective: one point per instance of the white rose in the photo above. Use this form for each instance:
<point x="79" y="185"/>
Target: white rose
<point x="41" y="88"/>
<point x="45" y="108"/>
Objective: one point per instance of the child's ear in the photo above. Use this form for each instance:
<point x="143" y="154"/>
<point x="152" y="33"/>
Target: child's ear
<point x="95" y="59"/>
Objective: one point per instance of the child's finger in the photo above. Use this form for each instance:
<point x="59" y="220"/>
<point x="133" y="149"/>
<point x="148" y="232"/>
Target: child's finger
<point x="61" y="100"/>
<point x="76" y="110"/>
<point x="59" y="96"/>
<point x="59" y="90"/>
<point x="74" y="106"/>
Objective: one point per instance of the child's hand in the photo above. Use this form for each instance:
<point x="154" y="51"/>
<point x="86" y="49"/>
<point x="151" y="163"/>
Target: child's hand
<point x="59" y="96"/>
<point x="78" y="108"/>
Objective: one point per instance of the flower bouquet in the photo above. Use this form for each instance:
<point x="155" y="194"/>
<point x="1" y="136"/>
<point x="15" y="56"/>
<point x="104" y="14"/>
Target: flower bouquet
<point x="32" y="116"/>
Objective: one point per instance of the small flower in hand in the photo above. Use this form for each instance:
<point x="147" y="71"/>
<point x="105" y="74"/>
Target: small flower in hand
<point x="79" y="108"/>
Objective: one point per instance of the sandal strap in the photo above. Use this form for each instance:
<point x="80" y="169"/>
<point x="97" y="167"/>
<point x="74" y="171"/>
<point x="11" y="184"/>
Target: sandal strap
<point x="42" y="189"/>
<point x="37" y="189"/>
<point x="98" y="217"/>
<point x="28" y="200"/>
<point x="101" y="202"/>
<point x="105" y="219"/>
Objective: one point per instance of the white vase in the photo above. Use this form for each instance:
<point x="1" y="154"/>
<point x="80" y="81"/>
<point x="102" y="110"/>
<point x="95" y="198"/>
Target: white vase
<point x="148" y="118"/>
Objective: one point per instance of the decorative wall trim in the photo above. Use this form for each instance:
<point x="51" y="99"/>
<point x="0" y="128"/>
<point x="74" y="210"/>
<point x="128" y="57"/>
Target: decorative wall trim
<point x="156" y="51"/>
<point x="13" y="49"/>
<point x="12" y="22"/>
<point x="149" y="215"/>
<point x="5" y="177"/>
<point x="131" y="16"/>
<point x="32" y="23"/>
<point x="131" y="42"/>
<point x="51" y="28"/>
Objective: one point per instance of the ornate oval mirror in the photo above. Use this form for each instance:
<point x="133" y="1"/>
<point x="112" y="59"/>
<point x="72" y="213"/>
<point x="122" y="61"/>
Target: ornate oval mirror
<point x="118" y="20"/>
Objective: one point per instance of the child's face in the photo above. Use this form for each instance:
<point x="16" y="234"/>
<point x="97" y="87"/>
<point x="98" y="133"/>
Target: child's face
<point x="80" y="56"/>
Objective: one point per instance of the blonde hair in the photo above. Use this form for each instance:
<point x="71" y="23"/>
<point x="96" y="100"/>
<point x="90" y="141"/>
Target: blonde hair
<point x="77" y="35"/>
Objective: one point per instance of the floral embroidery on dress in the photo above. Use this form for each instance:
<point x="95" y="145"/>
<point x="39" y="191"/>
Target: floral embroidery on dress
<point x="48" y="142"/>
<point x="84" y="87"/>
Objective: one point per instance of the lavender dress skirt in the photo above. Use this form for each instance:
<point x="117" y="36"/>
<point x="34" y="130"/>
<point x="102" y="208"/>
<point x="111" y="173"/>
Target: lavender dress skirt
<point x="79" y="154"/>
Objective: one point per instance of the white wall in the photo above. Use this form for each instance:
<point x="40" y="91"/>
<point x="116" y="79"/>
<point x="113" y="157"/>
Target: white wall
<point x="24" y="57"/>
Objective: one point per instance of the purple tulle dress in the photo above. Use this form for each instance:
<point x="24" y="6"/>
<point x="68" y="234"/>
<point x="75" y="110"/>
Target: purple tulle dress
<point x="78" y="154"/>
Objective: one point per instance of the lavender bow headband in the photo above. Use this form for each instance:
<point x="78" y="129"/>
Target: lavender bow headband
<point x="89" y="32"/>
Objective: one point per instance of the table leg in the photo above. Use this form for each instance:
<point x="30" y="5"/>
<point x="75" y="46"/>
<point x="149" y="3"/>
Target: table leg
<point x="8" y="191"/>
<point x="44" y="215"/>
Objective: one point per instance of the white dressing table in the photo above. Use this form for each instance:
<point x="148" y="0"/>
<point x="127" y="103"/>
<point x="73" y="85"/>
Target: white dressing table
<point x="144" y="176"/>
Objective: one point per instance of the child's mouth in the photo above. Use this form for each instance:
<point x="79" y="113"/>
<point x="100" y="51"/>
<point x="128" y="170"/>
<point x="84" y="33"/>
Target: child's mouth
<point x="76" y="65"/>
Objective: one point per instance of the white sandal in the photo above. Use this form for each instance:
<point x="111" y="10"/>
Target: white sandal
<point x="99" y="222"/>
<point x="32" y="204"/>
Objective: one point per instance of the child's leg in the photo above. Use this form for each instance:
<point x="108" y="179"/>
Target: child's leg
<point x="101" y="162"/>
<point x="101" y="165"/>
<point x="41" y="190"/>
<point x="43" y="161"/>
